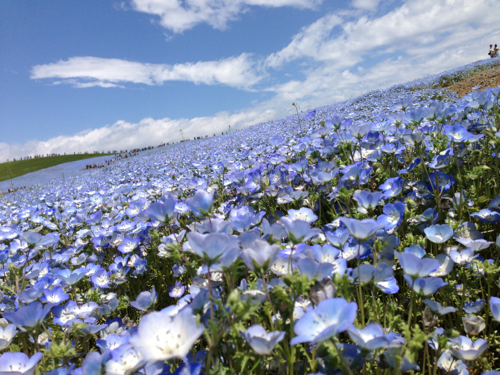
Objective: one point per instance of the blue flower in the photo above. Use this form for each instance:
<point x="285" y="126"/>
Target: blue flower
<point x="495" y="308"/>
<point x="411" y="167"/>
<point x="463" y="348"/>
<point x="260" y="252"/>
<point x="372" y="337"/>
<point x="366" y="200"/>
<point x="299" y="230"/>
<point x="304" y="213"/>
<point x="392" y="187"/>
<point x="382" y="276"/>
<point x="161" y="337"/>
<point x="444" y="182"/>
<point x="438" y="233"/>
<point x="442" y="160"/>
<point x="200" y="203"/>
<point x="487" y="216"/>
<point x="464" y="257"/>
<point x="101" y="279"/>
<point x="176" y="290"/>
<point x="145" y="300"/>
<point x="425" y="286"/>
<point x="361" y="229"/>
<point x="128" y="245"/>
<point x="393" y="215"/>
<point x="112" y="342"/>
<point x="436" y="307"/>
<point x="28" y="316"/>
<point x="330" y="317"/>
<point x="6" y="335"/>
<point x="161" y="211"/>
<point x="54" y="295"/>
<point x="262" y="342"/>
<point x="415" y="267"/>
<point x="19" y="363"/>
<point x="212" y="246"/>
<point x="415" y="250"/>
<point x="456" y="133"/>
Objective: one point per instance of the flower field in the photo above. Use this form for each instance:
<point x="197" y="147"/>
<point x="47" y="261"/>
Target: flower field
<point x="358" y="238"/>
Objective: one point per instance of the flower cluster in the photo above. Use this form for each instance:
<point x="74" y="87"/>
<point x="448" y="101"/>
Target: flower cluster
<point x="359" y="237"/>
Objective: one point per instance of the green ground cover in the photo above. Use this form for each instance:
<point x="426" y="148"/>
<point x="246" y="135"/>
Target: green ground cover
<point x="14" y="169"/>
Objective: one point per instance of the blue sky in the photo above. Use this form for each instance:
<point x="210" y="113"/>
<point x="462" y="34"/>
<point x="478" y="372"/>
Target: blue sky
<point x="93" y="75"/>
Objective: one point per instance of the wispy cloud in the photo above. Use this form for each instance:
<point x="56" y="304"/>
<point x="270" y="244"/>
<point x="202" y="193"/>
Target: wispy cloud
<point x="87" y="71"/>
<point x="181" y="15"/>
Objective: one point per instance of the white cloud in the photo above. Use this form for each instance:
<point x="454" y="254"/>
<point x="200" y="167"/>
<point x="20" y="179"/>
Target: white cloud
<point x="181" y="15"/>
<point x="89" y="71"/>
<point x="366" y="4"/>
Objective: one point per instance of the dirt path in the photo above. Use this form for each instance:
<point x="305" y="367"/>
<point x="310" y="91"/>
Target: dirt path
<point x="488" y="78"/>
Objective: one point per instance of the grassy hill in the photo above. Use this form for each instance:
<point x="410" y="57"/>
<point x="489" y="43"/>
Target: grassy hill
<point x="13" y="169"/>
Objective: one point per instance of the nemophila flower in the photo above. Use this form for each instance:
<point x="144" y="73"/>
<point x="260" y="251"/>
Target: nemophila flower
<point x="463" y="348"/>
<point x="474" y="307"/>
<point x="101" y="279"/>
<point x="145" y="300"/>
<point x="262" y="342"/>
<point x="124" y="360"/>
<point x="19" y="363"/>
<point x="28" y="316"/>
<point x="425" y="286"/>
<point x="410" y="168"/>
<point x="495" y="203"/>
<point x="456" y="133"/>
<point x="414" y="266"/>
<point x="438" y="233"/>
<point x="31" y="294"/>
<point x="54" y="295"/>
<point x="259" y="252"/>
<point x="372" y="337"/>
<point x="212" y="246"/>
<point x="464" y="257"/>
<point x="451" y="365"/>
<point x="382" y="276"/>
<point x="361" y="229"/>
<point x="436" y="307"/>
<point x="178" y="269"/>
<point x="415" y="250"/>
<point x="337" y="237"/>
<point x="6" y="335"/>
<point x="161" y="211"/>
<point x="445" y="266"/>
<point x="473" y="324"/>
<point x="112" y="341"/>
<point x="391" y="187"/>
<point x="330" y="317"/>
<point x="476" y="245"/>
<point x="487" y="216"/>
<point x="304" y="214"/>
<point x="393" y="215"/>
<point x="439" y="181"/>
<point x="128" y="245"/>
<point x="441" y="160"/>
<point x="495" y="308"/>
<point x="176" y="290"/>
<point x="299" y="230"/>
<point x="200" y="203"/>
<point x="366" y="200"/>
<point x="161" y="337"/>
<point x="311" y="268"/>
<point x="355" y="249"/>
